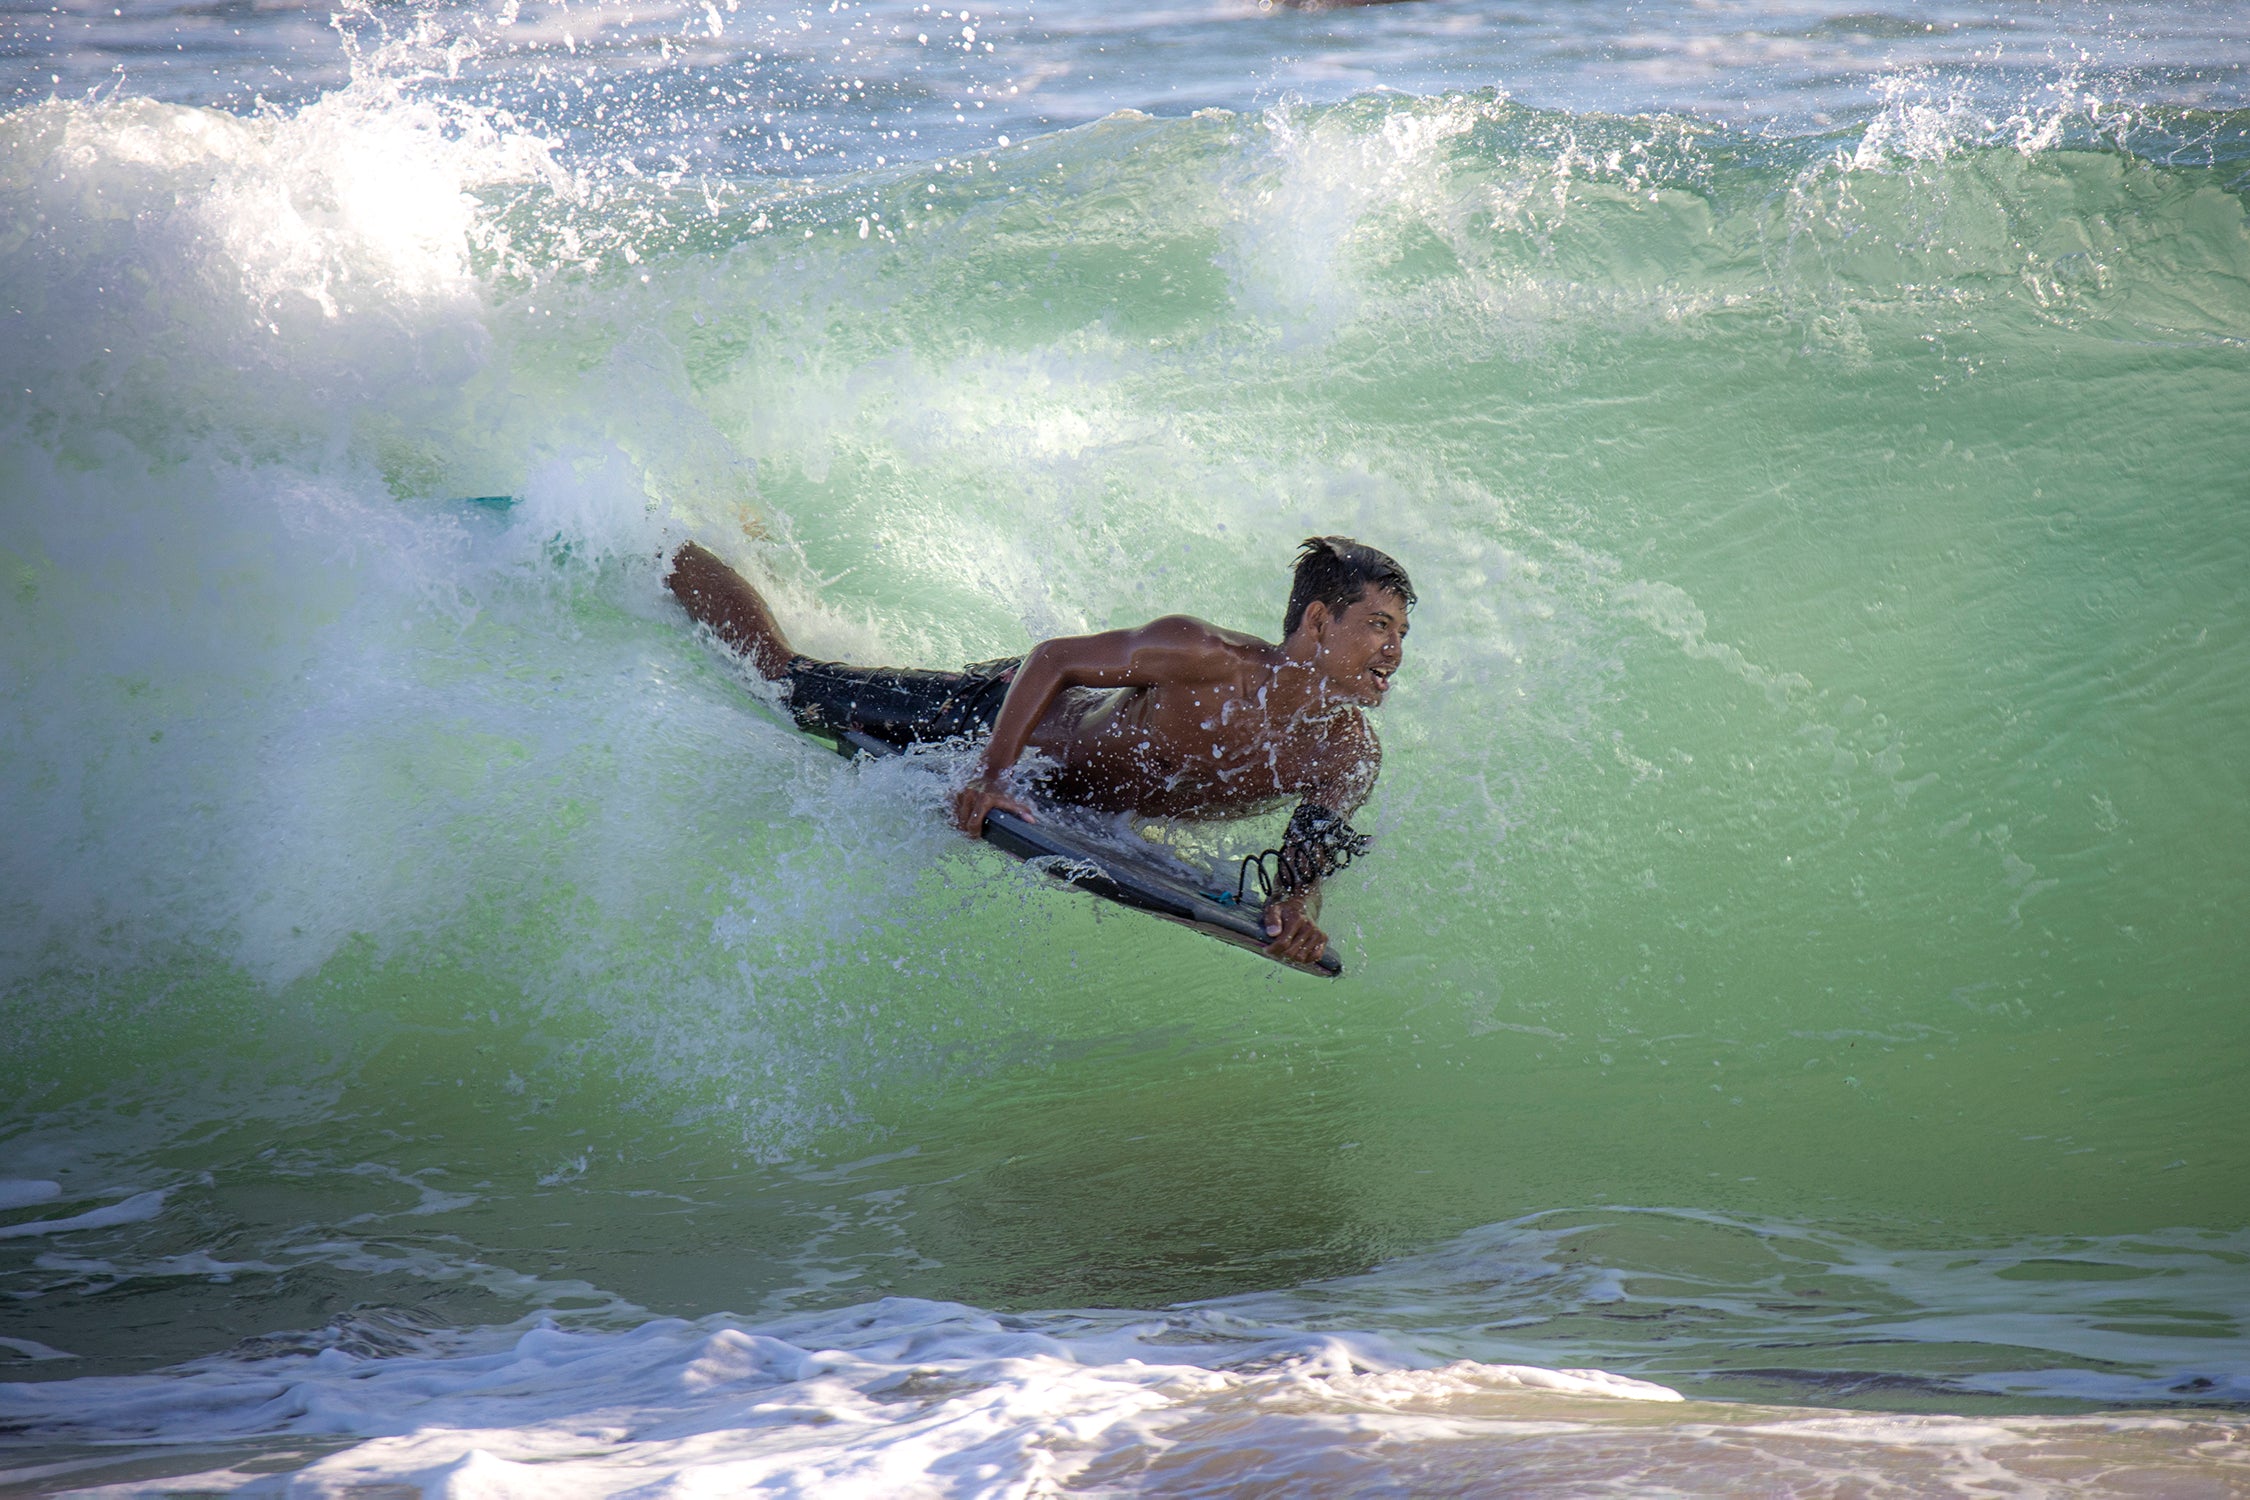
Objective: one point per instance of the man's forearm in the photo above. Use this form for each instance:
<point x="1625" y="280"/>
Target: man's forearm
<point x="1037" y="682"/>
<point x="1317" y="844"/>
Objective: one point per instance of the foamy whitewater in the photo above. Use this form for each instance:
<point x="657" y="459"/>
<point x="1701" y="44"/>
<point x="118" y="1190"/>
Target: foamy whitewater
<point x="460" y="1040"/>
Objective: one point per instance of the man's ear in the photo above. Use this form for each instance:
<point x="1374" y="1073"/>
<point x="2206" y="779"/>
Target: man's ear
<point x="1318" y="617"/>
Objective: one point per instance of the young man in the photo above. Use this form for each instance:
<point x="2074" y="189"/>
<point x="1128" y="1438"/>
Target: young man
<point x="1175" y="718"/>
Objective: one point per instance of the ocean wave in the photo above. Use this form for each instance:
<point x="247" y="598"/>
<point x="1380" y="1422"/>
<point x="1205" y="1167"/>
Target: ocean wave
<point x="910" y="1396"/>
<point x="1812" y="796"/>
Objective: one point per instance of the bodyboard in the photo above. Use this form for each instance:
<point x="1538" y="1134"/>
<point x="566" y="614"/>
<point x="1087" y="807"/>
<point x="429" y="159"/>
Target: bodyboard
<point x="1149" y="882"/>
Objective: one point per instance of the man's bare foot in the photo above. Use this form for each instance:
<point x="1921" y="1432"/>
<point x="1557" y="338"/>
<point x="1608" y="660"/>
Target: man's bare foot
<point x="717" y="596"/>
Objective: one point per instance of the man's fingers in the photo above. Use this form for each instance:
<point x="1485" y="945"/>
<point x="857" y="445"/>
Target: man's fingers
<point x="1294" y="937"/>
<point x="967" y="816"/>
<point x="973" y="804"/>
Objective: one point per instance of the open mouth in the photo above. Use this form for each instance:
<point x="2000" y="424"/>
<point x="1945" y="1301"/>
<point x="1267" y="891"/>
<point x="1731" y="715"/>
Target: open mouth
<point x="1382" y="676"/>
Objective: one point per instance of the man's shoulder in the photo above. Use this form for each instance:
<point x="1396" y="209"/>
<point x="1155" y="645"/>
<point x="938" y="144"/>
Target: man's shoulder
<point x="1213" y="643"/>
<point x="1194" y="628"/>
<point x="1352" y="736"/>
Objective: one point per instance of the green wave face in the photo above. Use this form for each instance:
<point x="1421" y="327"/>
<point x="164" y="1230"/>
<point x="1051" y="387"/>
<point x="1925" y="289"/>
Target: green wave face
<point x="1815" y="797"/>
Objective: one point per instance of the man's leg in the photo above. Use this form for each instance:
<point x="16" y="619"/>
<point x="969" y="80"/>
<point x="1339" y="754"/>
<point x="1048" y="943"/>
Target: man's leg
<point x="899" y="705"/>
<point x="721" y="598"/>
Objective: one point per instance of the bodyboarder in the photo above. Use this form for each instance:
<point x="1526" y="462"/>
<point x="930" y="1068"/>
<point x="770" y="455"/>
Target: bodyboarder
<point x="1175" y="718"/>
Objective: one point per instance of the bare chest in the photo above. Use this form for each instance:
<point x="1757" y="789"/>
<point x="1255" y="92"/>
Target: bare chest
<point x="1181" y="751"/>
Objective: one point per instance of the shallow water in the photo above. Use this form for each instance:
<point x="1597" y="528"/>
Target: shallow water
<point x="455" y="1025"/>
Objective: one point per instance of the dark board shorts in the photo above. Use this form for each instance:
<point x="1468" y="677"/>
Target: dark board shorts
<point x="899" y="705"/>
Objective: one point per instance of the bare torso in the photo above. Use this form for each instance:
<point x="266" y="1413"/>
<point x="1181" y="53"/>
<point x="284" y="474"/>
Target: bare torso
<point x="1212" y="749"/>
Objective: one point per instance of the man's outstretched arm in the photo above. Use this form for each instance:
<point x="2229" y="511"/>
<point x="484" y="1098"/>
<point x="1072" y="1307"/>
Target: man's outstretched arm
<point x="1177" y="649"/>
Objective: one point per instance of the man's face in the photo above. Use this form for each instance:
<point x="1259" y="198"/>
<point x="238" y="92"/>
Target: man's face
<point x="1361" y="647"/>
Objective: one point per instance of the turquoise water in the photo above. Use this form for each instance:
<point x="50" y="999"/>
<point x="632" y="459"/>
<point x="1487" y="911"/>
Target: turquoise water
<point x="1801" y="967"/>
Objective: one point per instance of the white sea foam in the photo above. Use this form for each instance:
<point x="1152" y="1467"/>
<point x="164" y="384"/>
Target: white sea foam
<point x="1285" y="1389"/>
<point x="894" y="1397"/>
<point x="910" y="1398"/>
<point x="20" y="1193"/>
<point x="1834" y="1301"/>
<point x="33" y="1349"/>
<point x="132" y="1210"/>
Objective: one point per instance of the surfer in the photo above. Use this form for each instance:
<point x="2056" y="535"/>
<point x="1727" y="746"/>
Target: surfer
<point x="1176" y="718"/>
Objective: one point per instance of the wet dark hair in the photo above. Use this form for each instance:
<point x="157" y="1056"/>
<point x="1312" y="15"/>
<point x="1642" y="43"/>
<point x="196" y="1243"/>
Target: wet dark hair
<point x="1338" y="571"/>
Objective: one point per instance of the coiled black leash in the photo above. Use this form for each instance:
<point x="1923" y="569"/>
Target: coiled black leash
<point x="1316" y="844"/>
